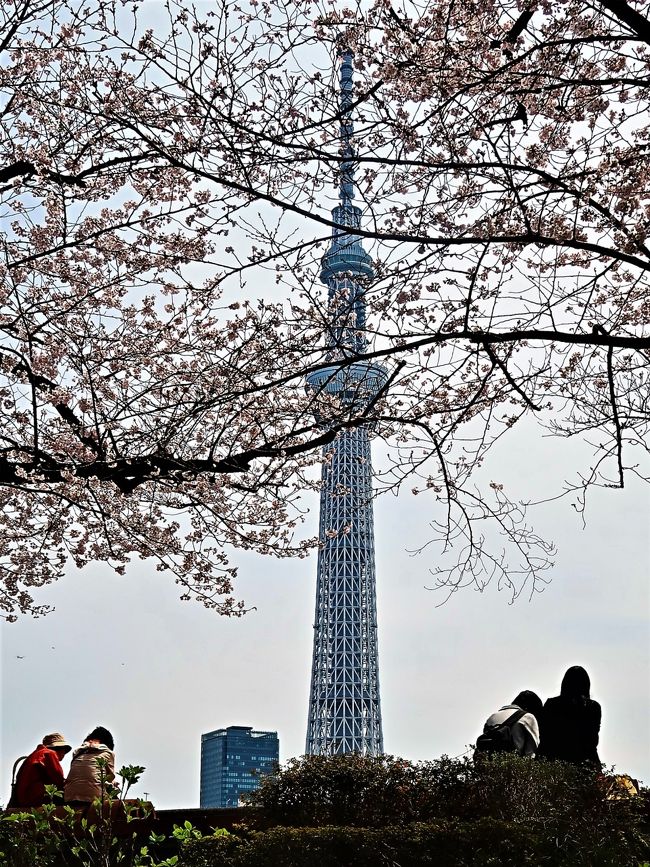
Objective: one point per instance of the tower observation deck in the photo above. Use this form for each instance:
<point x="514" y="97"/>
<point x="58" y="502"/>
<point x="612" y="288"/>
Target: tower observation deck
<point x="344" y="707"/>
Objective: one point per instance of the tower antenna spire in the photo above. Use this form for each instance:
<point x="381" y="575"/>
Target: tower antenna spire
<point x="346" y="184"/>
<point x="344" y="706"/>
<point x="346" y="266"/>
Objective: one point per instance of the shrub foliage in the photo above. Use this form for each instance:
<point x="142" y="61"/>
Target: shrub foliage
<point x="503" y="810"/>
<point x="372" y="792"/>
<point x="370" y="812"/>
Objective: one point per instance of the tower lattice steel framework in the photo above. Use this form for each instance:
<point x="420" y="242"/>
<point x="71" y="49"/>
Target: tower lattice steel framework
<point x="344" y="706"/>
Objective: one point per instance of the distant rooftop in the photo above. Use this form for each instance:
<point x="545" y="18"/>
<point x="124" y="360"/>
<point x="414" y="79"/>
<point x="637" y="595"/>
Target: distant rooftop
<point x="234" y="729"/>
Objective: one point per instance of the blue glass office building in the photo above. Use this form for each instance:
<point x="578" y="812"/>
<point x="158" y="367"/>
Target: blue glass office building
<point x="232" y="760"/>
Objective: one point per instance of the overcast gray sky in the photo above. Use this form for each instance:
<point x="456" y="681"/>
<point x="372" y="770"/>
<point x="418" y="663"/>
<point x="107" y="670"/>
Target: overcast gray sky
<point x="125" y="653"/>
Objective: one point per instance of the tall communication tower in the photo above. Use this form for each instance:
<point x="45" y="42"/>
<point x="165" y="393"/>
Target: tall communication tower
<point x="344" y="707"/>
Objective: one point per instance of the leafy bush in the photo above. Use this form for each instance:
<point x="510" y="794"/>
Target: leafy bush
<point x="558" y="808"/>
<point x="110" y="831"/>
<point x="340" y="847"/>
<point x="368" y="812"/>
<point x="338" y="790"/>
<point x="375" y="792"/>
<point x="484" y="843"/>
<point x="60" y="837"/>
<point x="26" y="840"/>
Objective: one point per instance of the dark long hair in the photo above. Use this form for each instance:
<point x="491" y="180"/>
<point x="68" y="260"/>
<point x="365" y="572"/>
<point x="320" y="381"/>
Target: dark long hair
<point x="530" y="702"/>
<point x="103" y="736"/>
<point x="575" y="683"/>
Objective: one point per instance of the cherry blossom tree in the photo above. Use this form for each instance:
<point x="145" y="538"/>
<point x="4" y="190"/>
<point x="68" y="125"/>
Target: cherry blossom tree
<point x="167" y="178"/>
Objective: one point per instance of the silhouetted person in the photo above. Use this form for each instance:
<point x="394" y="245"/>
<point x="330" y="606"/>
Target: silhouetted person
<point x="570" y="722"/>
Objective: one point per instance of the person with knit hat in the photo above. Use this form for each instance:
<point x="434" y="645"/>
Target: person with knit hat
<point x="40" y="769"/>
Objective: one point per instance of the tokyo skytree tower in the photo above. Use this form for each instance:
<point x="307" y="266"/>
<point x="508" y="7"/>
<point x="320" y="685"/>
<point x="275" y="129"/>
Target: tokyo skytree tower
<point x="344" y="707"/>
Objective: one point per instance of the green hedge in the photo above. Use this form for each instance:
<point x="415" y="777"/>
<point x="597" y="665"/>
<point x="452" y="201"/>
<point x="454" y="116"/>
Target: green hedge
<point x="373" y="792"/>
<point x="368" y="812"/>
<point x="354" y="810"/>
<point x="484" y="843"/>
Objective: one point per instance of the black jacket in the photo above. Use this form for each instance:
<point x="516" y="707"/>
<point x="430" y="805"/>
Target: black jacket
<point x="569" y="730"/>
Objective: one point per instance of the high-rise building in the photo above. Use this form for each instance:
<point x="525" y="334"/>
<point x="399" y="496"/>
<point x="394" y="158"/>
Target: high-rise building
<point x="344" y="707"/>
<point x="232" y="760"/>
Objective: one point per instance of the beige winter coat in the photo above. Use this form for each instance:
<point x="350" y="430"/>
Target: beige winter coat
<point x="84" y="782"/>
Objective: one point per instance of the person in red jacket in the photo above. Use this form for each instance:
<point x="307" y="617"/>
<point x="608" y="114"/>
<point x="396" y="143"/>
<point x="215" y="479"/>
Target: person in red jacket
<point x="41" y="768"/>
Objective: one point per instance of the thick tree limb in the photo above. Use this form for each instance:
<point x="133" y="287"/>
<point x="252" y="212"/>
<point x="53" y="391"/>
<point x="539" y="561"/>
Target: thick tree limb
<point x="24" y="168"/>
<point x="129" y="473"/>
<point x="626" y="13"/>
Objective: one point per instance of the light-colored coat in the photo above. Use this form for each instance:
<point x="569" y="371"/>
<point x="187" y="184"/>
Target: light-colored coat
<point x="84" y="782"/>
<point x="525" y="732"/>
